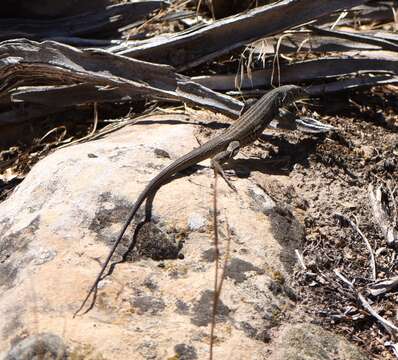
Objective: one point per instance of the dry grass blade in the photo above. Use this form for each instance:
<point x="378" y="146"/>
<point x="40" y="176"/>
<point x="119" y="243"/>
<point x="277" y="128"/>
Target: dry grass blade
<point x="89" y="136"/>
<point x="217" y="283"/>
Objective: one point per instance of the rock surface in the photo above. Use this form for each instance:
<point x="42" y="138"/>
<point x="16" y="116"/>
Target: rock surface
<point x="310" y="342"/>
<point x="58" y="225"/>
<point x="40" y="346"/>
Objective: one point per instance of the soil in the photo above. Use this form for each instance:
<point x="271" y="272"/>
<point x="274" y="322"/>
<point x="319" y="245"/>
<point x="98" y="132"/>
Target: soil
<point x="328" y="176"/>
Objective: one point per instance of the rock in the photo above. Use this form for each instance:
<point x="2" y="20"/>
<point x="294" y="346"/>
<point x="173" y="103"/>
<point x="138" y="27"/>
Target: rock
<point x="59" y="224"/>
<point x="196" y="222"/>
<point x="185" y="352"/>
<point x="41" y="346"/>
<point x="311" y="342"/>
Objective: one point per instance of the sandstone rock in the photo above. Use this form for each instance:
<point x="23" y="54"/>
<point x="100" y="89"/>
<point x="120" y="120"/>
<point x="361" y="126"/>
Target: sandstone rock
<point x="57" y="226"/>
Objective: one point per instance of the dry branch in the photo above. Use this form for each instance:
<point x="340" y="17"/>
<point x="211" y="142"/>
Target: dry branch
<point x="366" y="241"/>
<point x="102" y="22"/>
<point x="377" y="62"/>
<point x="320" y="40"/>
<point x="289" y="121"/>
<point x="362" y="82"/>
<point x="67" y="76"/>
<point x="372" y="12"/>
<point x="388" y="325"/>
<point x="191" y="48"/>
<point x="367" y="39"/>
<point x="383" y="286"/>
<point x="48" y="8"/>
<point x="307" y="42"/>
<point x="380" y="213"/>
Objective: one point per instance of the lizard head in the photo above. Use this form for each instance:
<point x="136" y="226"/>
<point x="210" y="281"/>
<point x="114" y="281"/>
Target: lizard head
<point x="287" y="94"/>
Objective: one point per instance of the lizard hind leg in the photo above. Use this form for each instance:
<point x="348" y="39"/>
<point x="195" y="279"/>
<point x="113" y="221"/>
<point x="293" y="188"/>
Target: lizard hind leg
<point x="222" y="157"/>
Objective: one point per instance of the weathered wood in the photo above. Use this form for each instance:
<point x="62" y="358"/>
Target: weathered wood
<point x="370" y="13"/>
<point x="306" y="42"/>
<point x="101" y="22"/>
<point x="67" y="76"/>
<point x="362" y="82"/>
<point x="304" y="71"/>
<point x="368" y="39"/>
<point x="192" y="48"/>
<point x="383" y="220"/>
<point x="48" y="8"/>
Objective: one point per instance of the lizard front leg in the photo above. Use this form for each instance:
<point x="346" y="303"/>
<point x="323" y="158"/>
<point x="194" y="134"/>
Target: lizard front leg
<point x="222" y="157"/>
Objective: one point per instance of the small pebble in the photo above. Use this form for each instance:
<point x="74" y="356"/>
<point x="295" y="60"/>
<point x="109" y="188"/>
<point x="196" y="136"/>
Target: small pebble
<point x="196" y="222"/>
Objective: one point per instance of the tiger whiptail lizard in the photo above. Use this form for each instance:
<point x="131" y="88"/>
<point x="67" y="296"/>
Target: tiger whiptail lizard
<point x="220" y="148"/>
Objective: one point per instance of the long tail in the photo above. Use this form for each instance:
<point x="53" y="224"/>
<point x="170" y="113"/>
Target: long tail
<point x="180" y="164"/>
<point x="133" y="211"/>
<point x="153" y="185"/>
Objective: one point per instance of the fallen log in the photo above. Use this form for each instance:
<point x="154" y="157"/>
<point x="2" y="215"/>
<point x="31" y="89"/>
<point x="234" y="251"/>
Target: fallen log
<point x="358" y="83"/>
<point x="350" y="36"/>
<point x="48" y="8"/>
<point x="66" y="76"/>
<point x="376" y="62"/>
<point x="306" y="42"/>
<point x="101" y="23"/>
<point x="191" y="48"/>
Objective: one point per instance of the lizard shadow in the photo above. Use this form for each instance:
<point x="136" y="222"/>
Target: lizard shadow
<point x="147" y="218"/>
<point x="134" y="239"/>
<point x="305" y="149"/>
<point x="288" y="155"/>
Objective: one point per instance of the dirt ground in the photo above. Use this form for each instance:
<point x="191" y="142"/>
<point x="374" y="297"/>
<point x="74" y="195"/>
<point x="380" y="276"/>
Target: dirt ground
<point x="329" y="175"/>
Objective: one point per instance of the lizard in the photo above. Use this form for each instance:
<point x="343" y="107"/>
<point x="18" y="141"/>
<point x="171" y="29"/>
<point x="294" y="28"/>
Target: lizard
<point x="247" y="128"/>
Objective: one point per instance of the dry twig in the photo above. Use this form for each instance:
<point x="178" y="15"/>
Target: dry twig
<point x="217" y="283"/>
<point x="381" y="216"/>
<point x="366" y="241"/>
